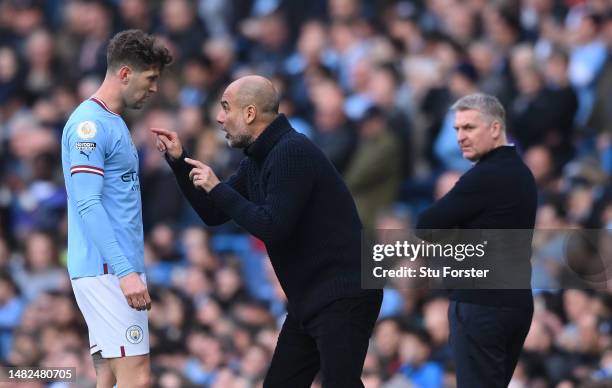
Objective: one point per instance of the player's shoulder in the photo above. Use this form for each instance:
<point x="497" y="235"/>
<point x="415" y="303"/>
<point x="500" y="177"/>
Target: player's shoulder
<point x="88" y="121"/>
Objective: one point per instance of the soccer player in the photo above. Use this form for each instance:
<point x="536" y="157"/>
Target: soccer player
<point x="105" y="234"/>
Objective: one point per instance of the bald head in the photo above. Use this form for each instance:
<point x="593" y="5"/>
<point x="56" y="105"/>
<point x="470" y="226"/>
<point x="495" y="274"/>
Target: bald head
<point x="248" y="106"/>
<point x="255" y="90"/>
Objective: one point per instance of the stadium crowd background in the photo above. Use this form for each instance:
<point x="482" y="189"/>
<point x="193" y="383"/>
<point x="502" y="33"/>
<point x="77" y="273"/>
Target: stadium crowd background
<point x="370" y="82"/>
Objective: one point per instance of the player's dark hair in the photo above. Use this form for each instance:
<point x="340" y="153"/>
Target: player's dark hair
<point x="138" y="50"/>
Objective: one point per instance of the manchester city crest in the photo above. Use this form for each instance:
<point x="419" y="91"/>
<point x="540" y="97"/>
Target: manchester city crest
<point x="134" y="334"/>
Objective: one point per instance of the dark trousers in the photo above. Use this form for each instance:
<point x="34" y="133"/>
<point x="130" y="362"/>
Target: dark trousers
<point x="486" y="342"/>
<point x="334" y="341"/>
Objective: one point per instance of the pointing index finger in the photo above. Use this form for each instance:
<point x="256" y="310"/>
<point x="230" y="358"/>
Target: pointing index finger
<point x="162" y="131"/>
<point x="193" y="162"/>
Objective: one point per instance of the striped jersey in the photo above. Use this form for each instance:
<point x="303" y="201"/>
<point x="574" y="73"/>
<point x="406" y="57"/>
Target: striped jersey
<point x="100" y="166"/>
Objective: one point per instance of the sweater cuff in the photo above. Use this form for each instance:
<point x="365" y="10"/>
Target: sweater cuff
<point x="224" y="196"/>
<point x="178" y="163"/>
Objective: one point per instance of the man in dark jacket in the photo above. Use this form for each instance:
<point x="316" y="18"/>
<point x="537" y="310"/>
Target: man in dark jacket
<point x="488" y="327"/>
<point x="287" y="193"/>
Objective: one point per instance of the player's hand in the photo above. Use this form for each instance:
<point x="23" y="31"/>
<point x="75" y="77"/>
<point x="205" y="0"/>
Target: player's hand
<point x="135" y="291"/>
<point x="168" y="142"/>
<point x="201" y="175"/>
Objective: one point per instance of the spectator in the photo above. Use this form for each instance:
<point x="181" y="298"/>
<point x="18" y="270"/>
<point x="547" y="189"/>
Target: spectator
<point x="374" y="173"/>
<point x="415" y="349"/>
<point x="11" y="307"/>
<point x="40" y="271"/>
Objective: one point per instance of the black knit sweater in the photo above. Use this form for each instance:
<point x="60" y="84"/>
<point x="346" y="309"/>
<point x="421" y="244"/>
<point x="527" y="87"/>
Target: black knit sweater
<point x="286" y="193"/>
<point x="498" y="192"/>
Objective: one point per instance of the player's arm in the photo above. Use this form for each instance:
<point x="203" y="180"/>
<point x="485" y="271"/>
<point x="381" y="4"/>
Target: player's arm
<point x="88" y="146"/>
<point x="199" y="200"/>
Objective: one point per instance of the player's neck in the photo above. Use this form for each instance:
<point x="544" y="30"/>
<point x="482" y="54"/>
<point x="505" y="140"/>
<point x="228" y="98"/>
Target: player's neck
<point x="109" y="96"/>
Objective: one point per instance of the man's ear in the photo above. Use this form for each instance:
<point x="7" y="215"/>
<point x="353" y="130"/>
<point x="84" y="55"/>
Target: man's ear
<point x="250" y="112"/>
<point x="124" y="74"/>
<point x="496" y="129"/>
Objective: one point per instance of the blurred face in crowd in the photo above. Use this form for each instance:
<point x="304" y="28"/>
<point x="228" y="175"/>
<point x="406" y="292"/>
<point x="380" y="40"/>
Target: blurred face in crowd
<point x="477" y="134"/>
<point x="40" y="252"/>
<point x="343" y="9"/>
<point x="386" y="338"/>
<point x="5" y="254"/>
<point x="482" y="55"/>
<point x="312" y="40"/>
<point x="132" y="10"/>
<point x="586" y="30"/>
<point x="460" y="85"/>
<point x="255" y="362"/>
<point x="177" y="15"/>
<point x="138" y="86"/>
<point x="412" y="350"/>
<point x="576" y="304"/>
<point x="7" y="291"/>
<point x="555" y="70"/>
<point x="39" y="49"/>
<point x="539" y="160"/>
<point x="460" y="22"/>
<point x="382" y="88"/>
<point x="329" y="102"/>
<point x="8" y="64"/>
<point x="435" y="318"/>
<point x="273" y="32"/>
<point x="529" y="82"/>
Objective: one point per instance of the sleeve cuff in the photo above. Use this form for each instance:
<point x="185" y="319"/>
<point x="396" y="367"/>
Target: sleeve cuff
<point x="176" y="163"/>
<point x="223" y="195"/>
<point x="179" y="166"/>
<point x="122" y="269"/>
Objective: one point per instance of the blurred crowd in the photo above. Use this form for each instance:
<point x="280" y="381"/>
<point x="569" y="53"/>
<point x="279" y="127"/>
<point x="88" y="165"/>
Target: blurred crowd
<point x="370" y="82"/>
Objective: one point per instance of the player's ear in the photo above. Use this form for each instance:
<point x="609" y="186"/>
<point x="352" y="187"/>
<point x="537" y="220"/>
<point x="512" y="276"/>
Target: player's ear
<point x="124" y="74"/>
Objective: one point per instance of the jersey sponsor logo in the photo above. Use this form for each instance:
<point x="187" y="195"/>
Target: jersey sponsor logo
<point x="129" y="176"/>
<point x="87" y="130"/>
<point x="134" y="334"/>
<point x="85" y="147"/>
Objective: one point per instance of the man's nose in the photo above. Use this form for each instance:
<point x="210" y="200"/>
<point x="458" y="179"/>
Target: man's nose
<point x="153" y="88"/>
<point x="461" y="136"/>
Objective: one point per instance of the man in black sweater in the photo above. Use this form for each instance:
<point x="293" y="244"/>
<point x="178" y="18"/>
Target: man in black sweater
<point x="287" y="193"/>
<point x="488" y="327"/>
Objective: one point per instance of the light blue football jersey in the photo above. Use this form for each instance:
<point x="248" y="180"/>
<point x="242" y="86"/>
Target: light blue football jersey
<point x="100" y="165"/>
